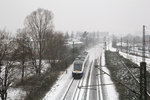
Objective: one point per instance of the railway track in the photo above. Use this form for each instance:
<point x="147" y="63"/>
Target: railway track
<point x="99" y="81"/>
<point x="73" y="90"/>
<point x="79" y="91"/>
<point x="68" y="88"/>
<point x="76" y="87"/>
<point x="88" y="83"/>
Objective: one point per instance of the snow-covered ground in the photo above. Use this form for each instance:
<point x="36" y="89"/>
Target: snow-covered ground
<point x="15" y="94"/>
<point x="135" y="59"/>
<point x="110" y="90"/>
<point x="18" y="93"/>
<point x="56" y="91"/>
<point x="63" y="81"/>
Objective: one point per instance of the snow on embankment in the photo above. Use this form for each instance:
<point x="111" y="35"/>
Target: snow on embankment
<point x="133" y="58"/>
<point x="60" y="86"/>
<point x="136" y="59"/>
<point x="109" y="90"/>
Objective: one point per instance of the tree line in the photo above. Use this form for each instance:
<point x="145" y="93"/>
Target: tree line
<point x="34" y="43"/>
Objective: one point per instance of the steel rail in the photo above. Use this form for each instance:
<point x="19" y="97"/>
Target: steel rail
<point x="80" y="83"/>
<point x="66" y="92"/>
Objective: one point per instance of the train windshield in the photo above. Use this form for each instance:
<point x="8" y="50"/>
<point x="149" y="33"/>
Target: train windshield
<point x="78" y="67"/>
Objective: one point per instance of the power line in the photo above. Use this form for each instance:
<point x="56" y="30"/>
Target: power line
<point x="119" y="82"/>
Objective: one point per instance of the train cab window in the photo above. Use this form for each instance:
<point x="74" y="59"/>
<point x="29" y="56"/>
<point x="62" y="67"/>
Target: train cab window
<point x="78" y="67"/>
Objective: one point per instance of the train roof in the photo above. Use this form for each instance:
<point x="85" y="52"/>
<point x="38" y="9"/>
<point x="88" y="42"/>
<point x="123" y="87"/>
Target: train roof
<point x="78" y="61"/>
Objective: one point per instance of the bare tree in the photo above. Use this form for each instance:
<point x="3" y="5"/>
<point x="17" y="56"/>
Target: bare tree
<point x="55" y="47"/>
<point x="3" y="40"/>
<point x="7" y="69"/>
<point x="23" y="50"/>
<point x="38" y="24"/>
<point x="6" y="79"/>
<point x="26" y="49"/>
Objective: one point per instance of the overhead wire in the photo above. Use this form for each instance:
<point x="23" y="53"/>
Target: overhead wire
<point x="133" y="76"/>
<point x="119" y="82"/>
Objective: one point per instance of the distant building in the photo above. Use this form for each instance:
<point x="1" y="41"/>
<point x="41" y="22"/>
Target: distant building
<point x="75" y="43"/>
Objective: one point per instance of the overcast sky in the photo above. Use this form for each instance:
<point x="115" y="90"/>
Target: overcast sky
<point x="115" y="16"/>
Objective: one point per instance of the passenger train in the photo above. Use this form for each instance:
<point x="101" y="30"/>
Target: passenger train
<point x="78" y="65"/>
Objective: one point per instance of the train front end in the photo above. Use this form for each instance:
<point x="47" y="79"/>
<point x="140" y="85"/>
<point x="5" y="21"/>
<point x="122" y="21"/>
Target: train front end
<point x="77" y="72"/>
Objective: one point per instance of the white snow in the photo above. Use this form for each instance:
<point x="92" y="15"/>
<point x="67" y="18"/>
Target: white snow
<point x="135" y="59"/>
<point x="60" y="86"/>
<point x="56" y="91"/>
<point x="15" y="94"/>
<point x="111" y="93"/>
<point x="64" y="79"/>
<point x="88" y="90"/>
<point x="18" y="93"/>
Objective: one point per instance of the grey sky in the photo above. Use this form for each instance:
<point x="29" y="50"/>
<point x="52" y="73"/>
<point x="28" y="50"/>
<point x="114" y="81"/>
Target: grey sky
<point x="115" y="16"/>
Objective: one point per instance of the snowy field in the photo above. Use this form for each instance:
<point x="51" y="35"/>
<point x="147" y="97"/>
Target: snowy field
<point x="18" y="93"/>
<point x="135" y="59"/>
<point x="15" y="94"/>
<point x="111" y="93"/>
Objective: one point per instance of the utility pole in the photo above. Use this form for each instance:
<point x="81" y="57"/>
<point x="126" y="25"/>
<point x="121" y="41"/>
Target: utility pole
<point x="108" y="44"/>
<point x="143" y="53"/>
<point x="73" y="51"/>
<point x="105" y="45"/>
<point x="121" y="44"/>
<point x="149" y="43"/>
<point x="149" y="46"/>
<point x="134" y="46"/>
<point x="127" y="48"/>
<point x="143" y="87"/>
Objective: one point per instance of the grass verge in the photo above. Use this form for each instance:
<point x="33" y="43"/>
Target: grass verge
<point x="119" y="72"/>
